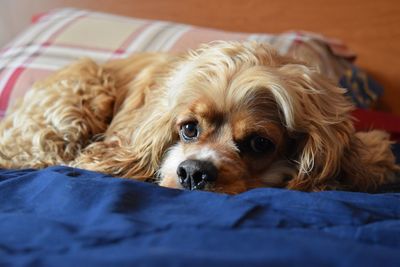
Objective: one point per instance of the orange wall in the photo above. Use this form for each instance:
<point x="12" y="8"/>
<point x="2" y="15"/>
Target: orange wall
<point x="371" y="28"/>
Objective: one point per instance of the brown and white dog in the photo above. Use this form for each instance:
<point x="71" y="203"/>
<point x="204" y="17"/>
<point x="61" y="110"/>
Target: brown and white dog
<point x="227" y="117"/>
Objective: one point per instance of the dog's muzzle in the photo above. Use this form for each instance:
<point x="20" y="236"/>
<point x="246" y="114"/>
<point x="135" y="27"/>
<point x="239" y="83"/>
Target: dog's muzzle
<point x="195" y="174"/>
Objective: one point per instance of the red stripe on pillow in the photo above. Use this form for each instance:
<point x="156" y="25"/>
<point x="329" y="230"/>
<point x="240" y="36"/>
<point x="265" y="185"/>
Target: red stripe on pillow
<point x="5" y="94"/>
<point x="35" y="18"/>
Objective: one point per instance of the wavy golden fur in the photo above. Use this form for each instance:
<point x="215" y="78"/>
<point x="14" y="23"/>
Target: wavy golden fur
<point x="261" y="119"/>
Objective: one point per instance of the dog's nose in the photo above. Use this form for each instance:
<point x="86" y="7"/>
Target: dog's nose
<point x="195" y="174"/>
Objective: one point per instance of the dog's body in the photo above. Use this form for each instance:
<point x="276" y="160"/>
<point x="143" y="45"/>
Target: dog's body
<point x="226" y="118"/>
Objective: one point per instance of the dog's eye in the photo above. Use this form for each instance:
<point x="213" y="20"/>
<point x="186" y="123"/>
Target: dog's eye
<point x="189" y="131"/>
<point x="259" y="144"/>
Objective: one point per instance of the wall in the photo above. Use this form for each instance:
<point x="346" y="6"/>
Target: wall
<point x="369" y="27"/>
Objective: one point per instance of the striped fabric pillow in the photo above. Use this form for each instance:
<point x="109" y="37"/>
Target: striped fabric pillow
<point x="60" y="37"/>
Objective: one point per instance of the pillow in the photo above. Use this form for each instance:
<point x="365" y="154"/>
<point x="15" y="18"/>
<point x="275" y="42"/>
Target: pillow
<point x="61" y="36"/>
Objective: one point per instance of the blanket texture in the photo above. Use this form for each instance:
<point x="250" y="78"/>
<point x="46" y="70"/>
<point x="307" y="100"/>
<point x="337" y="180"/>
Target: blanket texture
<point x="62" y="216"/>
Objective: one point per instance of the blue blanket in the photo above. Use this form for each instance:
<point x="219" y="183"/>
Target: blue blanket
<point x="61" y="216"/>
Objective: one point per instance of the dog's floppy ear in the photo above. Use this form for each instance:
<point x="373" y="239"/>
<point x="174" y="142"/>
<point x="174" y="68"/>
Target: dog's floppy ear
<point x="320" y="157"/>
<point x="317" y="110"/>
<point x="152" y="139"/>
<point x="142" y="127"/>
<point x="330" y="154"/>
<point x="136" y="157"/>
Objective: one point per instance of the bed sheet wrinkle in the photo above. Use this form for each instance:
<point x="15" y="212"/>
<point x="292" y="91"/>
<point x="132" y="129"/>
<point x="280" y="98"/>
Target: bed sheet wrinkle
<point x="177" y="207"/>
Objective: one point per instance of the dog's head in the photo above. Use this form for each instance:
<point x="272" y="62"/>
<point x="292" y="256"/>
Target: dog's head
<point x="245" y="117"/>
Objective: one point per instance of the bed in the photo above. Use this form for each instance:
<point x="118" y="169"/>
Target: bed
<point x="69" y="217"/>
<point x="62" y="216"/>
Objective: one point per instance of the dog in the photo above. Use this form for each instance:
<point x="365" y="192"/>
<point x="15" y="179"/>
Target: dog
<point x="227" y="117"/>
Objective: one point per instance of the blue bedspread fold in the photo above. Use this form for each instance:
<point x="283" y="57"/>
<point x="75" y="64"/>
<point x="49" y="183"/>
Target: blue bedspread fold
<point x="62" y="216"/>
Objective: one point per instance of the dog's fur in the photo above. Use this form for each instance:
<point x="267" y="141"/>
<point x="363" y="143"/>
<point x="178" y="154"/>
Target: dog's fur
<point x="125" y="118"/>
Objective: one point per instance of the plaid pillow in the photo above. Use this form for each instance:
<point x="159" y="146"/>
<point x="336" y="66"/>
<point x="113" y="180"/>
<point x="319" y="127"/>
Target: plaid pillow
<point x="60" y="37"/>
